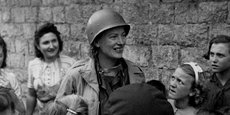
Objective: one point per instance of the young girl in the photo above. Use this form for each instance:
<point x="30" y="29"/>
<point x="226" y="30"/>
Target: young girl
<point x="7" y="78"/>
<point x="185" y="90"/>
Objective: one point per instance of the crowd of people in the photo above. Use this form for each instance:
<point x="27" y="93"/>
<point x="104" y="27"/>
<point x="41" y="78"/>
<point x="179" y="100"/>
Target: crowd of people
<point x="108" y="84"/>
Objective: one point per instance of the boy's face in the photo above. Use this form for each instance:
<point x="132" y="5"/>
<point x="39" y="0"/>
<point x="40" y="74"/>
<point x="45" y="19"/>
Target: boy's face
<point x="220" y="57"/>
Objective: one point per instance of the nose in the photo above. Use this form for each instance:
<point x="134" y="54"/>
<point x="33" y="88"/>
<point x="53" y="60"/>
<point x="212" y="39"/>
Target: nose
<point x="51" y="45"/>
<point x="173" y="83"/>
<point x="214" y="59"/>
<point x="121" y="40"/>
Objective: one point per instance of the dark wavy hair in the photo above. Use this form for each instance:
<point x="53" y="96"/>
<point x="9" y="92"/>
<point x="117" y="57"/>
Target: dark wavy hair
<point x="198" y="98"/>
<point x="4" y="50"/>
<point x="44" y="29"/>
<point x="215" y="40"/>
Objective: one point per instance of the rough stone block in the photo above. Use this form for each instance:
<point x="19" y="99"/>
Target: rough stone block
<point x="137" y="54"/>
<point x="184" y="35"/>
<point x="104" y="1"/>
<point x="31" y="14"/>
<point x="30" y="44"/>
<point x="45" y="14"/>
<point x="138" y="1"/>
<point x="165" y="56"/>
<point x="161" y="13"/>
<point x="194" y="54"/>
<point x="11" y="3"/>
<point x="18" y="62"/>
<point x="191" y="35"/>
<point x="10" y="44"/>
<point x="171" y="1"/>
<point x="23" y="2"/>
<point x="11" y="30"/>
<point x="143" y="34"/>
<point x="20" y="45"/>
<point x="28" y="30"/>
<point x="78" y="32"/>
<point x="77" y="50"/>
<point x="18" y="14"/>
<point x="5" y="12"/>
<point x="166" y="34"/>
<point x="213" y="12"/>
<point x="88" y="10"/>
<point x="49" y="2"/>
<point x="36" y="2"/>
<point x="73" y="14"/>
<point x="2" y="2"/>
<point x="134" y="13"/>
<point x="64" y="29"/>
<point x="218" y="29"/>
<point x="68" y="2"/>
<point x="59" y="14"/>
<point x="185" y="13"/>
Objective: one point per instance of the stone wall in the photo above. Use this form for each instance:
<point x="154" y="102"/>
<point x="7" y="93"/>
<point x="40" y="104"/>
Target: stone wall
<point x="164" y="33"/>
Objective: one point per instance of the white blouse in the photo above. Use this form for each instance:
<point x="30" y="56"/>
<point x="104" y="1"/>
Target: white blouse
<point x="9" y="80"/>
<point x="46" y="78"/>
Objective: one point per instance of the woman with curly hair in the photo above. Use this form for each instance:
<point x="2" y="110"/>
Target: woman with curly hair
<point x="185" y="91"/>
<point x="46" y="71"/>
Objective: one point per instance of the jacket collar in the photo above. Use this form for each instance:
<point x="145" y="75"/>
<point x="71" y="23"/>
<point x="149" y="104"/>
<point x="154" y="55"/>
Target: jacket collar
<point x="90" y="76"/>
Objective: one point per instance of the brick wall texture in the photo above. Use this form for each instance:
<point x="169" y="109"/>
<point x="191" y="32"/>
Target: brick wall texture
<point x="164" y="33"/>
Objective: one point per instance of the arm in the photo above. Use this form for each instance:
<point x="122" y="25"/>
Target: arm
<point x="66" y="87"/>
<point x="31" y="98"/>
<point x="15" y="85"/>
<point x="31" y="101"/>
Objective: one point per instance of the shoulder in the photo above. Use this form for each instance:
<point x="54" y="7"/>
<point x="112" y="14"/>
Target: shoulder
<point x="135" y="72"/>
<point x="34" y="62"/>
<point x="67" y="59"/>
<point x="10" y="75"/>
<point x="80" y="65"/>
<point x="133" y="67"/>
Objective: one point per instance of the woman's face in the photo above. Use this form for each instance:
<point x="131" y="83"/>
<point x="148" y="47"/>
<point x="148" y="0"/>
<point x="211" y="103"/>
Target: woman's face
<point x="180" y="85"/>
<point x="49" y="46"/>
<point x="1" y="56"/>
<point x="112" y="42"/>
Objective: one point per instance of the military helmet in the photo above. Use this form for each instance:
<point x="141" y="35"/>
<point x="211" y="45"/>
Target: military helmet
<point x="103" y="20"/>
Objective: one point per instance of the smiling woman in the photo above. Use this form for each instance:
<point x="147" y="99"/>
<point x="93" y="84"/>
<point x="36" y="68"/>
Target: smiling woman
<point x="106" y="70"/>
<point x="47" y="70"/>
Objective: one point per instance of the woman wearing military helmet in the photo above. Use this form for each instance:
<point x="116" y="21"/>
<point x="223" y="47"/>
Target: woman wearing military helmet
<point x="106" y="70"/>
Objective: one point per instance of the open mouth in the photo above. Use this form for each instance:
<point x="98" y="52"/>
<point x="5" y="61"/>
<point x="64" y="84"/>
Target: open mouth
<point x="172" y="91"/>
<point x="118" y="49"/>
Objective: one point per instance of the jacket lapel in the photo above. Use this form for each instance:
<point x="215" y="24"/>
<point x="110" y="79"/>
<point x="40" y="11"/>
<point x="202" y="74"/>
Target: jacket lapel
<point x="135" y="73"/>
<point x="90" y="76"/>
